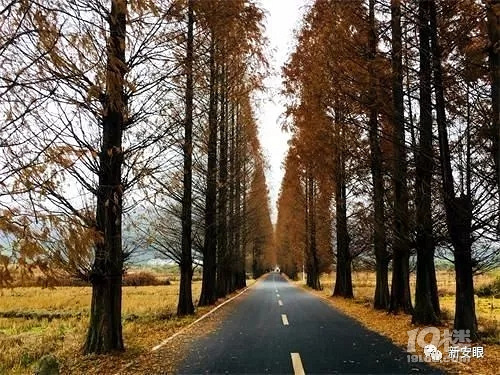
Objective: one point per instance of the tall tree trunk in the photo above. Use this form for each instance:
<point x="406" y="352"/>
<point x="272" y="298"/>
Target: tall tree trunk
<point x="307" y="257"/>
<point x="256" y="253"/>
<point x="185" y="305"/>
<point x="208" y="288"/>
<point x="343" y="279"/>
<point x="232" y="254"/>
<point x="400" y="288"/>
<point x="244" y="213"/>
<point x="105" y="328"/>
<point x="381" y="298"/>
<point x="313" y="271"/>
<point x="408" y="69"/>
<point x="241" y="277"/>
<point x="222" y="269"/>
<point x="254" y="263"/>
<point x="458" y="209"/>
<point x="426" y="289"/>
<point x="493" y="18"/>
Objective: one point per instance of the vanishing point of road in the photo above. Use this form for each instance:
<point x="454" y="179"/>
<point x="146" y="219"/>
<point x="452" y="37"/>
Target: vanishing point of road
<point x="279" y="328"/>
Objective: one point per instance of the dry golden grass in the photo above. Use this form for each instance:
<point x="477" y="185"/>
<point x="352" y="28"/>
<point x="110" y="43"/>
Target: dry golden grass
<point x="395" y="327"/>
<point x="488" y="308"/>
<point x="148" y="318"/>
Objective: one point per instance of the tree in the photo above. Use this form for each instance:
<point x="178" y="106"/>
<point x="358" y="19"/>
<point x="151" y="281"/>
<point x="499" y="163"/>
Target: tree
<point x="336" y="82"/>
<point x="105" y="330"/>
<point x="185" y="305"/>
<point x="93" y="135"/>
<point x="261" y="233"/>
<point x="343" y="280"/>
<point x="381" y="298"/>
<point x="223" y="268"/>
<point x="208" y="290"/>
<point x="426" y="297"/>
<point x="493" y="14"/>
<point x="400" y="287"/>
<point x="290" y="225"/>
<point x="458" y="209"/>
<point x="237" y="30"/>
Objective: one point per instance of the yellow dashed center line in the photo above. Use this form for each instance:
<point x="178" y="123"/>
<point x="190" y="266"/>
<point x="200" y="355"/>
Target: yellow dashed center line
<point x="298" y="369"/>
<point x="284" y="319"/>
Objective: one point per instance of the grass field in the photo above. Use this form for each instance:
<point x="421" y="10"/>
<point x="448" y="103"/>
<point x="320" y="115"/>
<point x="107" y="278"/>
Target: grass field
<point x="55" y="320"/>
<point x="487" y="308"/>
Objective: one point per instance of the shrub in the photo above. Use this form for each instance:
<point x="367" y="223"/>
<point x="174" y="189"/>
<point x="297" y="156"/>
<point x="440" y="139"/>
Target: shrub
<point x="446" y="314"/>
<point x="26" y="359"/>
<point x="141" y="278"/>
<point x="444" y="292"/>
<point x="47" y="365"/>
<point x="490" y="290"/>
<point x="490" y="331"/>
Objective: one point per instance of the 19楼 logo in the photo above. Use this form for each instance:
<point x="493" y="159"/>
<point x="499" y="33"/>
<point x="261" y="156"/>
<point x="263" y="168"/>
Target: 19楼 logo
<point x="456" y="344"/>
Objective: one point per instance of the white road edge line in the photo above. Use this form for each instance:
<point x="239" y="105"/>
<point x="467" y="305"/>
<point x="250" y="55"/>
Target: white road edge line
<point x="298" y="369"/>
<point x="284" y="319"/>
<point x="126" y="366"/>
<point x="198" y="320"/>
<point x="280" y="303"/>
<point x="164" y="342"/>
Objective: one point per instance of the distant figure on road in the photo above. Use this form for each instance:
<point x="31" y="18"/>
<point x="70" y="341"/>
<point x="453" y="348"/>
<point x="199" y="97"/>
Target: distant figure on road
<point x="277" y="269"/>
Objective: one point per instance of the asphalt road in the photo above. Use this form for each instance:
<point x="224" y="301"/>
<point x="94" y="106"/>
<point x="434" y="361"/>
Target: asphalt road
<point x="278" y="328"/>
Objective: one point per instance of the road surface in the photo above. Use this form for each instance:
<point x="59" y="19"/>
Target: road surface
<point x="278" y="328"/>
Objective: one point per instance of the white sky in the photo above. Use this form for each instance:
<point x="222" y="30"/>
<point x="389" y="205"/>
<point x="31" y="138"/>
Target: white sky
<point x="282" y="18"/>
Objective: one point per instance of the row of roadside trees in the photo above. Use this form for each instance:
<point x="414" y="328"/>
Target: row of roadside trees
<point x="126" y="125"/>
<point x="393" y="107"/>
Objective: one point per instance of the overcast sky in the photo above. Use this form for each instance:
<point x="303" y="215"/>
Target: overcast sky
<point x="282" y="18"/>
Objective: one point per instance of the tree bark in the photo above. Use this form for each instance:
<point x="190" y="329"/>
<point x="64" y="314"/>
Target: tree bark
<point x="185" y="305"/>
<point x="307" y="260"/>
<point x="381" y="298"/>
<point x="208" y="288"/>
<point x="343" y="278"/>
<point x="458" y="209"/>
<point x="400" y="288"/>
<point x="222" y="269"/>
<point x="105" y="329"/>
<point x="313" y="269"/>
<point x="493" y="15"/>
<point x="426" y="289"/>
<point x="232" y="253"/>
<point x="244" y="213"/>
<point x="240" y="272"/>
